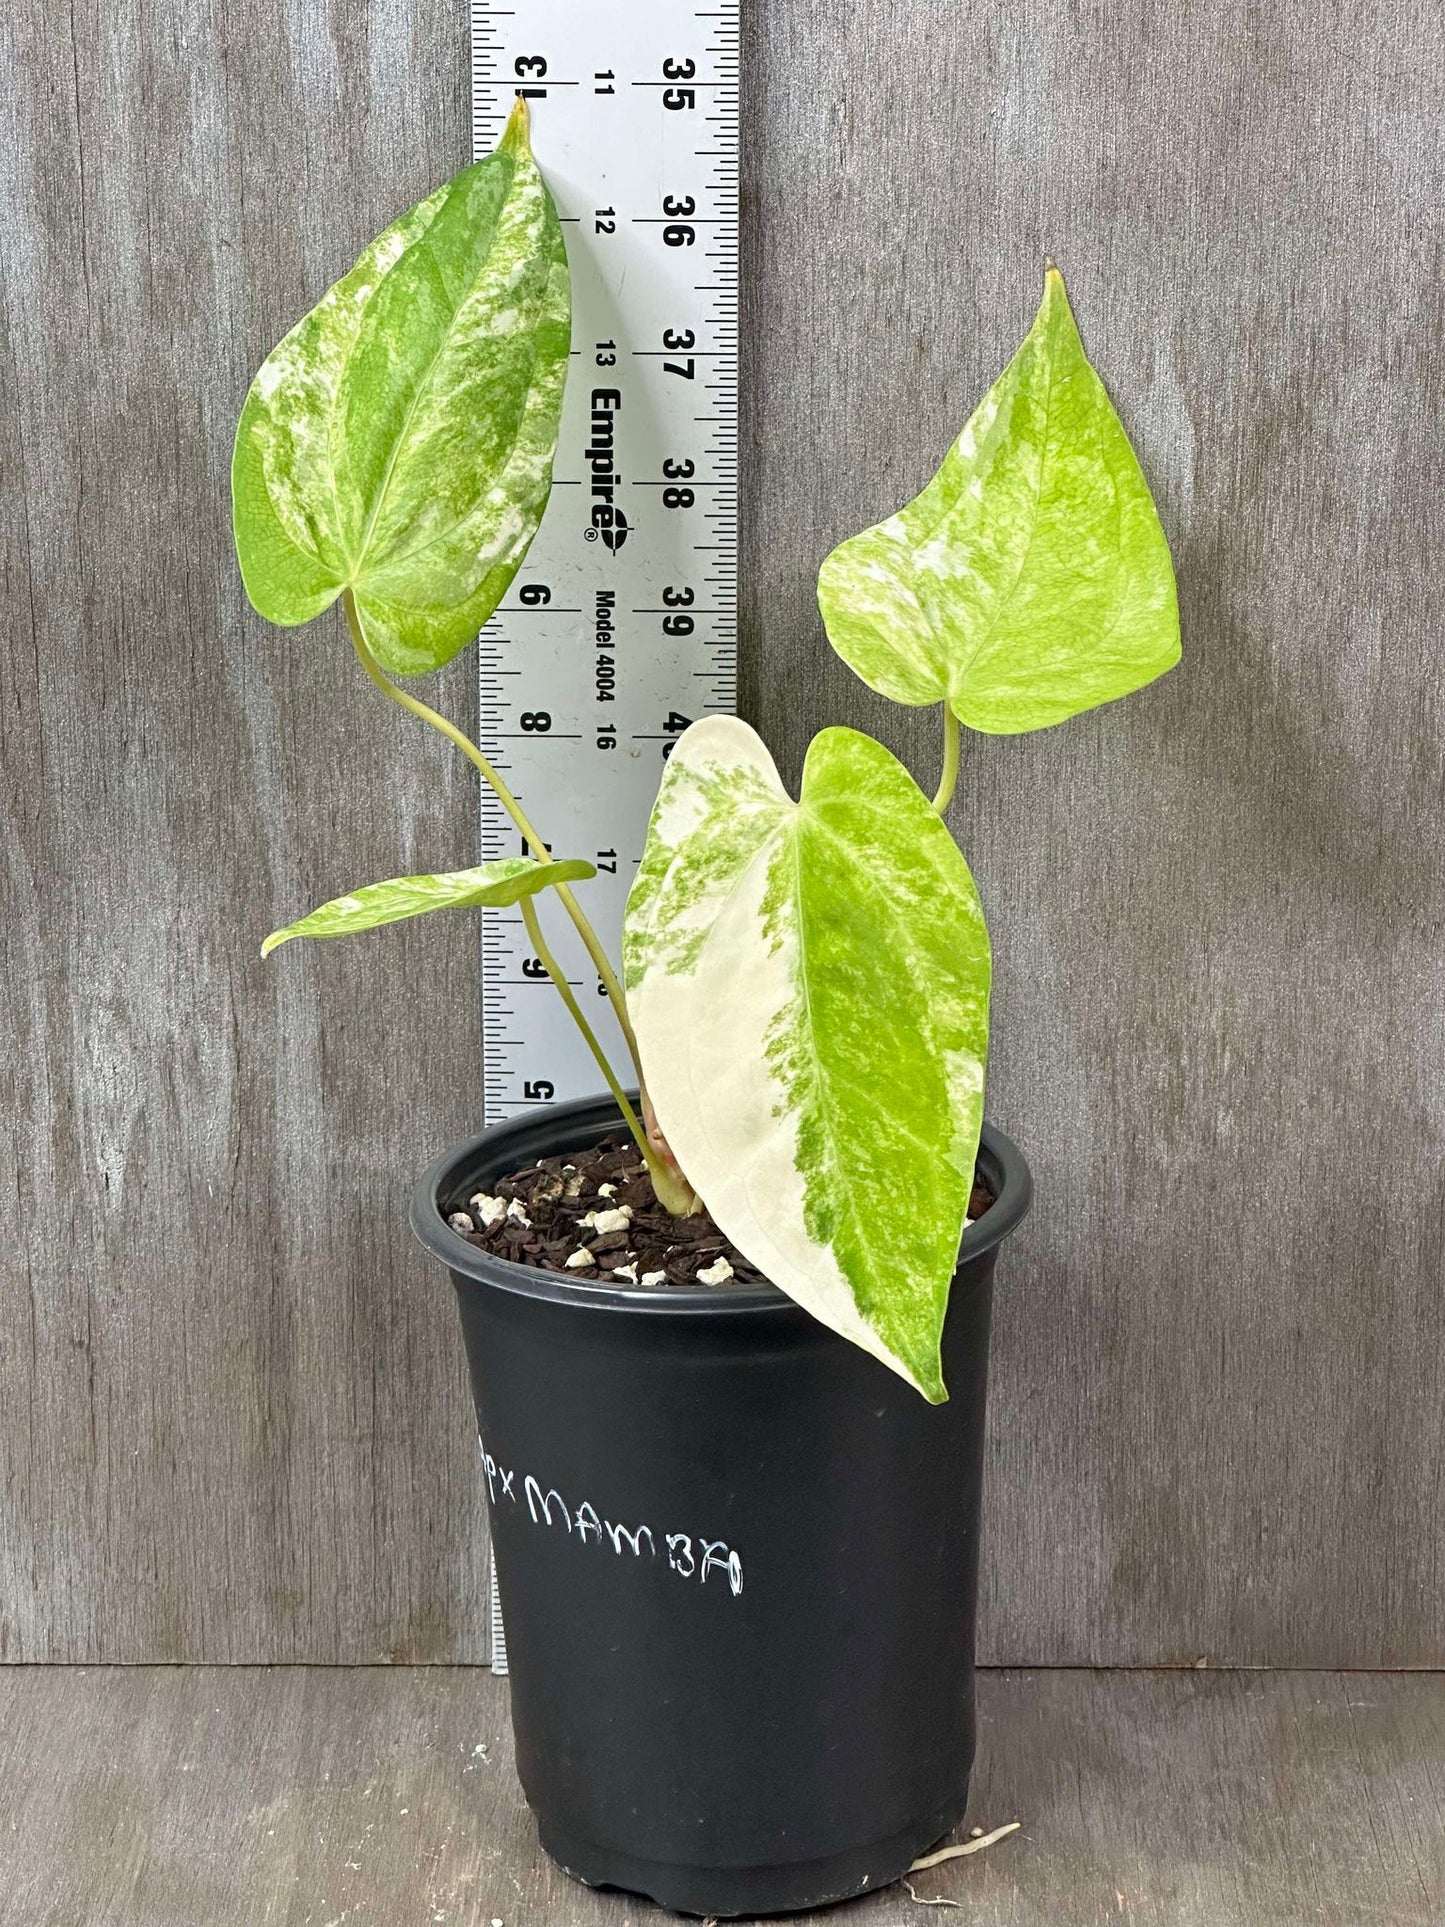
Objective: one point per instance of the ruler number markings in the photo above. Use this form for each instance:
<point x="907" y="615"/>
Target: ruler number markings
<point x="620" y="628"/>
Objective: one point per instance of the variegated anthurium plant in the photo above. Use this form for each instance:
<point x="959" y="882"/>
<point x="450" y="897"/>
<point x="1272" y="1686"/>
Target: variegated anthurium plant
<point x="806" y="980"/>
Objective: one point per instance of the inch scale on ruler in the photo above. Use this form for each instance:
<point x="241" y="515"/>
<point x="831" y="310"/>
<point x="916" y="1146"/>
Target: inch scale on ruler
<point x="620" y="626"/>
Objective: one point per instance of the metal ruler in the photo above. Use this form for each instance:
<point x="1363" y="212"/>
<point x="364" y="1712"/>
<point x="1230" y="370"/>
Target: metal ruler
<point x="620" y="626"/>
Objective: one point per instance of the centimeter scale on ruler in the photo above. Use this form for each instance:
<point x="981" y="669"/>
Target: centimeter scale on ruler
<point x="620" y="627"/>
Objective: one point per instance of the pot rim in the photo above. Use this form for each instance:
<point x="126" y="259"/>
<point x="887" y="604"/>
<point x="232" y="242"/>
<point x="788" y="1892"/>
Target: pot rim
<point x="536" y="1134"/>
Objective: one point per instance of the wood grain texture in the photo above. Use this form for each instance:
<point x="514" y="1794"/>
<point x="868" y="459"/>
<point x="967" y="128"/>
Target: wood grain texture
<point x="234" y="1402"/>
<point x="1217" y="908"/>
<point x="236" y="1423"/>
<point x="296" y="1797"/>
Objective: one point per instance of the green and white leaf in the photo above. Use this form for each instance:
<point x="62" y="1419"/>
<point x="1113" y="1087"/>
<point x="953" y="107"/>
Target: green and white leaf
<point x="809" y="985"/>
<point x="491" y="884"/>
<point x="399" y="441"/>
<point x="1031" y="579"/>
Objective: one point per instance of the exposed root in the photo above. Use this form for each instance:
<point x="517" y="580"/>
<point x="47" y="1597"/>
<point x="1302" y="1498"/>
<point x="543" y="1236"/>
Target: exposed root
<point x="975" y="1845"/>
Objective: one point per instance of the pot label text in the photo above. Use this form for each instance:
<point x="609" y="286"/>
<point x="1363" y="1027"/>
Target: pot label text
<point x="689" y="1555"/>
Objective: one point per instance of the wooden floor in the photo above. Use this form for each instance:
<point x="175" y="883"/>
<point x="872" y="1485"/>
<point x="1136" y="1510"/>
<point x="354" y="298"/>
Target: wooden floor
<point x="313" y="1797"/>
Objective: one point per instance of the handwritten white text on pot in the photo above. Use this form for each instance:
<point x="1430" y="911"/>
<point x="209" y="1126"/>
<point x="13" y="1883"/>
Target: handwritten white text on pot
<point x="687" y="1556"/>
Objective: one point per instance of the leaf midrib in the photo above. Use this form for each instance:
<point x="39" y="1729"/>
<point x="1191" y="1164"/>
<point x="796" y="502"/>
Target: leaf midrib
<point x="1000" y="607"/>
<point x="423" y="387"/>
<point x="842" y="1190"/>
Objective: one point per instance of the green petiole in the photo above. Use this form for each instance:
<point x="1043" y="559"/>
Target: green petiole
<point x="509" y="803"/>
<point x="948" y="782"/>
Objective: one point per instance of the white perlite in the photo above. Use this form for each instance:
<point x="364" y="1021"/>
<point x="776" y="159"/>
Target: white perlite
<point x="629" y="1272"/>
<point x="459" y="1221"/>
<point x="654" y="1277"/>
<point x="580" y="1258"/>
<point x="616" y="1219"/>
<point x="717" y="1274"/>
<point x="518" y="1215"/>
<point x="489" y="1210"/>
<point x="607" y="1190"/>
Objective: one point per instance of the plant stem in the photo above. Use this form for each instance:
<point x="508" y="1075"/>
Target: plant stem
<point x="509" y="803"/>
<point x="673" y="1191"/>
<point x="589" y="1036"/>
<point x="949" y="779"/>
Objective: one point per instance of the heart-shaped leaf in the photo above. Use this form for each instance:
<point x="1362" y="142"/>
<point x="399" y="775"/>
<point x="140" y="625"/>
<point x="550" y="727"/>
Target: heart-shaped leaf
<point x="506" y="881"/>
<point x="809" y="984"/>
<point x="1031" y="579"/>
<point x="399" y="441"/>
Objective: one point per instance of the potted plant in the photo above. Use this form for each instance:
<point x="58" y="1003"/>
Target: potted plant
<point x="727" y="1326"/>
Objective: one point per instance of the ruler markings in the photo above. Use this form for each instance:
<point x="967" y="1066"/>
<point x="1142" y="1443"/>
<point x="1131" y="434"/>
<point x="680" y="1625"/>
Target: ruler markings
<point x="627" y="638"/>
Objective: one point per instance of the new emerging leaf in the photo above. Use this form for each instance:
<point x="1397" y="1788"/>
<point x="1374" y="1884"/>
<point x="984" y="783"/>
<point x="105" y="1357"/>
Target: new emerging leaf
<point x="1031" y="579"/>
<point x="809" y="984"/>
<point x="398" y="442"/>
<point x="506" y="881"/>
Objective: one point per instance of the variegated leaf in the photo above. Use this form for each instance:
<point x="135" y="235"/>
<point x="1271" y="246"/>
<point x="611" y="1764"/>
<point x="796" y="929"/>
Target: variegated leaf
<point x="399" y="441"/>
<point x="506" y="881"/>
<point x="809" y="984"/>
<point x="1031" y="579"/>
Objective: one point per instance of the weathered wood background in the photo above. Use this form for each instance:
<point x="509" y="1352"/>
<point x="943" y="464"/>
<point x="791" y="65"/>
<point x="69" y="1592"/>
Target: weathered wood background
<point x="233" y="1422"/>
<point x="292" y="1796"/>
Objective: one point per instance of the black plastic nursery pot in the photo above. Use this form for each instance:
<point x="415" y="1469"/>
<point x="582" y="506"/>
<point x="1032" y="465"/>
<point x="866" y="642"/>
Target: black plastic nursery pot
<point x="737" y="1560"/>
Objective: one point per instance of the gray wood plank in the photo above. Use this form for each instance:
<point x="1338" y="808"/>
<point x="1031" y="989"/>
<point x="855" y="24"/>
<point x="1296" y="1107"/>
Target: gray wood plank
<point x="294" y="1797"/>
<point x="1217" y="909"/>
<point x="235" y="1409"/>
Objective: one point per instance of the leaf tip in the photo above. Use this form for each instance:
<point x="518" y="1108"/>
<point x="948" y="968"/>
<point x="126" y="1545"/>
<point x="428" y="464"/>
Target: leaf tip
<point x="1055" y="308"/>
<point x="926" y="1376"/>
<point x="276" y="938"/>
<point x="516" y="135"/>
